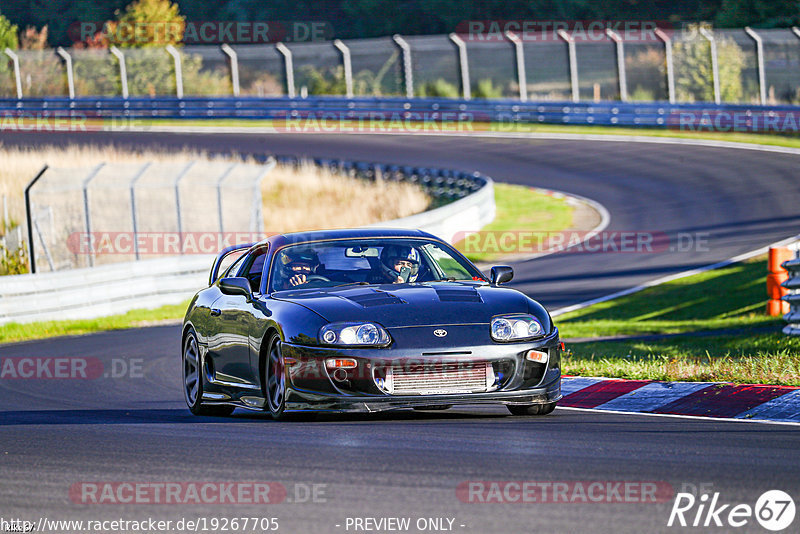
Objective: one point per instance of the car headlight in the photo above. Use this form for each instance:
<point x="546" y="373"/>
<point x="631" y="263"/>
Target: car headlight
<point x="515" y="327"/>
<point x="354" y="334"/>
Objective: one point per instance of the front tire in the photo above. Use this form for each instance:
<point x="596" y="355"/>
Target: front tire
<point x="193" y="379"/>
<point x="531" y="409"/>
<point x="274" y="379"/>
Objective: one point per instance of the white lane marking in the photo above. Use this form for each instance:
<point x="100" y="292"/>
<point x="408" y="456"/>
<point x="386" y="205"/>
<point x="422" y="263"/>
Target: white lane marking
<point x="783" y="408"/>
<point x="652" y="396"/>
<point x="698" y="417"/>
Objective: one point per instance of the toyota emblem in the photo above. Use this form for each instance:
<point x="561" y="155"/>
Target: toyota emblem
<point x="440" y="332"/>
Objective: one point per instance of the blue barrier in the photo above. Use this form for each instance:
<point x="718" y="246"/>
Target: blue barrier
<point x="389" y="111"/>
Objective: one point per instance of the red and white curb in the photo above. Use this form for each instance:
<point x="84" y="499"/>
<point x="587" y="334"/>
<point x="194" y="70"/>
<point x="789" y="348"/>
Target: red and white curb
<point x="698" y="399"/>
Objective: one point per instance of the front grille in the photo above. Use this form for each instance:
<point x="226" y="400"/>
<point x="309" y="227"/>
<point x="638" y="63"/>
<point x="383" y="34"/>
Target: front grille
<point x="438" y="378"/>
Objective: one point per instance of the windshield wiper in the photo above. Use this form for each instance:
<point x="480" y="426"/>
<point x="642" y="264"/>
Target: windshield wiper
<point x="354" y="284"/>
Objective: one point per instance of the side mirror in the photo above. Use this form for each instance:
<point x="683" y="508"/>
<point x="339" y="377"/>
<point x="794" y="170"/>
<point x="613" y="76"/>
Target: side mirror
<point x="235" y="285"/>
<point x="501" y="274"/>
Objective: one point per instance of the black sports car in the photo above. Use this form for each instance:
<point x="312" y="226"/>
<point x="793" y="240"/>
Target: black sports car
<point x="360" y="321"/>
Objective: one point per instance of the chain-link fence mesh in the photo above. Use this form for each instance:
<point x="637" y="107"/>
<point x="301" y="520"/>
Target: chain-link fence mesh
<point x="781" y="65"/>
<point x="262" y="70"/>
<point x="96" y="73"/>
<point x="377" y="66"/>
<point x="122" y="212"/>
<point x="492" y="69"/>
<point x="434" y="62"/>
<point x="42" y="73"/>
<point x="377" y="69"/>
<point x="597" y="70"/>
<point x="547" y="70"/>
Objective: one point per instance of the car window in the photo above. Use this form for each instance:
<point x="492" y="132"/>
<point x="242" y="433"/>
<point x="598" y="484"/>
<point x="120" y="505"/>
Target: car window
<point x="367" y="261"/>
<point x="253" y="267"/>
<point x="237" y="262"/>
<point x="451" y="268"/>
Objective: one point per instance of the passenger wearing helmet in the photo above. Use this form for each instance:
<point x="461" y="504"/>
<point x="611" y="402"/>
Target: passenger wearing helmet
<point x="298" y="266"/>
<point x="399" y="264"/>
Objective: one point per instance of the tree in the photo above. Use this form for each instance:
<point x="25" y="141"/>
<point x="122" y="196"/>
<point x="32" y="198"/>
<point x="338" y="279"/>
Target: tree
<point x="693" y="72"/>
<point x="764" y="13"/>
<point x="147" y="23"/>
<point x="8" y="34"/>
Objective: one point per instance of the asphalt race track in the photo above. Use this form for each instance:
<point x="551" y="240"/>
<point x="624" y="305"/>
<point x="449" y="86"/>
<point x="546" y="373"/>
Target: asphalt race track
<point x="56" y="434"/>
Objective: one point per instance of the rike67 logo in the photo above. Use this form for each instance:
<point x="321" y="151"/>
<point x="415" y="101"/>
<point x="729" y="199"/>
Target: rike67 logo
<point x="774" y="510"/>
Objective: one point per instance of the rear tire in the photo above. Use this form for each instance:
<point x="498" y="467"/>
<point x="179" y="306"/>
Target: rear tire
<point x="531" y="409"/>
<point x="194" y="378"/>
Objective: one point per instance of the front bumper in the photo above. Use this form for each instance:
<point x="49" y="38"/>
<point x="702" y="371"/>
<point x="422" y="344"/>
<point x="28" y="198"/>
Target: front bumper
<point x="311" y="386"/>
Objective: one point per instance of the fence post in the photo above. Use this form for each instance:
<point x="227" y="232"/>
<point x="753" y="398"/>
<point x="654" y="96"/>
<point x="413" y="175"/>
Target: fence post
<point x="86" y="212"/>
<point x="219" y="196"/>
<point x="714" y="63"/>
<point x="256" y="216"/>
<point x="670" y="67"/>
<point x="762" y="86"/>
<point x="520" y="56"/>
<point x="573" y="64"/>
<point x="466" y="90"/>
<point x="287" y="61"/>
<point x="176" y="185"/>
<point x="15" y="59"/>
<point x="68" y="62"/>
<point x="408" y="73"/>
<point x="133" y="207"/>
<point x="29" y="216"/>
<point x="176" y="56"/>
<point x="234" y="61"/>
<point x="623" y="81"/>
<point x="347" y="66"/>
<point x="123" y="71"/>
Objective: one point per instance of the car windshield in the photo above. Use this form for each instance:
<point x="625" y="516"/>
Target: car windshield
<point x="367" y="261"/>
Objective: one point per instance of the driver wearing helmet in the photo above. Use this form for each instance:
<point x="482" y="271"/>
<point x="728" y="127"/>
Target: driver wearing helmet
<point x="298" y="266"/>
<point x="399" y="264"/>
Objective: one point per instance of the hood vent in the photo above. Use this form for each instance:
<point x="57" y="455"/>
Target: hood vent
<point x="458" y="295"/>
<point x="375" y="298"/>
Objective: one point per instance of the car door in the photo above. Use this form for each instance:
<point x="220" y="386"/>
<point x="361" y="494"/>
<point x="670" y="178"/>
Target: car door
<point x="234" y="317"/>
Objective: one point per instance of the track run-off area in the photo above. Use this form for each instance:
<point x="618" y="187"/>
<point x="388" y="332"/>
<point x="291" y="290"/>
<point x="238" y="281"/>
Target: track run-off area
<point x="58" y="437"/>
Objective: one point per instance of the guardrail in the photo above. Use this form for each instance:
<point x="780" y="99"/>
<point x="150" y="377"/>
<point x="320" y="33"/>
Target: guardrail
<point x="376" y="114"/>
<point x="466" y="203"/>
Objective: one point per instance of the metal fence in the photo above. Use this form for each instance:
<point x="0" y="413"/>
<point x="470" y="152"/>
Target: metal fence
<point x="111" y="213"/>
<point x="84" y="217"/>
<point x="738" y="65"/>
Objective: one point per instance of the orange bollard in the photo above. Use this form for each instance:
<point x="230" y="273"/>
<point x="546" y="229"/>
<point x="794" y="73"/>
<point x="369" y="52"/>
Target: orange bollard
<point x="778" y="255"/>
<point x="776" y="308"/>
<point x="777" y="275"/>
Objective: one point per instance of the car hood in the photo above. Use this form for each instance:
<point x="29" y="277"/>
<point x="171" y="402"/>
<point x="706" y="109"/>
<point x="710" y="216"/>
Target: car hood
<point x="395" y="305"/>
